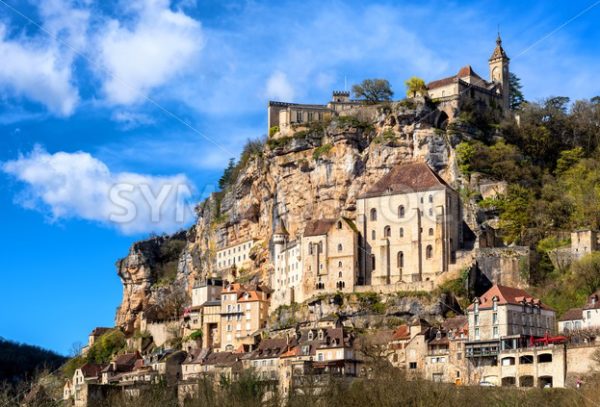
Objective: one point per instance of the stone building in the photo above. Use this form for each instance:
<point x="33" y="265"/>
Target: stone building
<point x="330" y="255"/>
<point x="236" y="255"/>
<point x="587" y="317"/>
<point x="410" y="223"/>
<point x="284" y="115"/>
<point x="583" y="242"/>
<point x="467" y="85"/>
<point x="506" y="346"/>
<point x="323" y="259"/>
<point x="408" y="347"/>
<point x="205" y="311"/>
<point x="244" y="311"/>
<point x="445" y="360"/>
<point x="288" y="272"/>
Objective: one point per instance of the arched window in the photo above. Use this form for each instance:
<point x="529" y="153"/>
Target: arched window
<point x="430" y="231"/>
<point x="339" y="264"/>
<point x="401" y="232"/>
<point x="387" y="231"/>
<point x="373" y="235"/>
<point x="340" y="274"/>
<point x="339" y="224"/>
<point x="373" y="214"/>
<point x="401" y="211"/>
<point x="340" y="247"/>
<point x="310" y="249"/>
<point x="428" y="251"/>
<point x="400" y="259"/>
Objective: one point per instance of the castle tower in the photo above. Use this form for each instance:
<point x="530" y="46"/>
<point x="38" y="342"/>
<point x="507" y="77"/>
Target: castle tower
<point x="499" y="71"/>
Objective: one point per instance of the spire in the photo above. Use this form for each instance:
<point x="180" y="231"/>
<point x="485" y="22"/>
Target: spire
<point x="498" y="51"/>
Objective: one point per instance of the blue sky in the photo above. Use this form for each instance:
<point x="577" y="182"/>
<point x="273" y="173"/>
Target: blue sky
<point x="113" y="104"/>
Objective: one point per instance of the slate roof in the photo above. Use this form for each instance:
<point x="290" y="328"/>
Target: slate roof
<point x="507" y="295"/>
<point x="407" y="178"/>
<point x="318" y="227"/>
<point x="572" y="315"/>
<point x="498" y="51"/>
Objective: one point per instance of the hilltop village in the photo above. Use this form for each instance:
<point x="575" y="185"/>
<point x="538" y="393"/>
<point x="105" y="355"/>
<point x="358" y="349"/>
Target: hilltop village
<point x="350" y="231"/>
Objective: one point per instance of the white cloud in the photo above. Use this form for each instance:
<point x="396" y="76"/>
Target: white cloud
<point x="147" y="53"/>
<point x="77" y="185"/>
<point x="279" y="87"/>
<point x="38" y="71"/>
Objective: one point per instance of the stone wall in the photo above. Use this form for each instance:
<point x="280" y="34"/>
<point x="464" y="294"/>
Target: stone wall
<point x="507" y="266"/>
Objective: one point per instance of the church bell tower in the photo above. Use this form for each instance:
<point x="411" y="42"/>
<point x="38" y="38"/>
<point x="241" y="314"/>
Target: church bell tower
<point x="499" y="72"/>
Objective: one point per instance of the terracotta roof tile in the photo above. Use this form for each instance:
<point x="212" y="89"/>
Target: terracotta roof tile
<point x="507" y="295"/>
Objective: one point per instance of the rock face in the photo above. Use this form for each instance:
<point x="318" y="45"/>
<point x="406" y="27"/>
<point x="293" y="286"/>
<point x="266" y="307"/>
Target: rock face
<point x="307" y="173"/>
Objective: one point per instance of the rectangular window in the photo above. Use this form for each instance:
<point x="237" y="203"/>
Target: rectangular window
<point x="412" y="365"/>
<point x="495" y="318"/>
<point x="476" y="318"/>
<point x="477" y="333"/>
<point x="495" y="332"/>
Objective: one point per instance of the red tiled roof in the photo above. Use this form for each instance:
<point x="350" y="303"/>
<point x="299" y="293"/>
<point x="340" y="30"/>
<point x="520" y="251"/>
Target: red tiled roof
<point x="572" y="315"/>
<point x="402" y="332"/>
<point x="507" y="295"/>
<point x="462" y="73"/>
<point x="407" y="178"/>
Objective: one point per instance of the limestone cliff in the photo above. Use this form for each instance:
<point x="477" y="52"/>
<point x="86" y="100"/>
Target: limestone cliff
<point x="303" y="173"/>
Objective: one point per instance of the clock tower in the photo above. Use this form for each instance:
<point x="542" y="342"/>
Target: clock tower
<point x="499" y="73"/>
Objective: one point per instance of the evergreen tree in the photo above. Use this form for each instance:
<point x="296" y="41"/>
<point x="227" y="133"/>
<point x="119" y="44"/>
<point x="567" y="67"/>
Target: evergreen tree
<point x="516" y="95"/>
<point x="227" y="176"/>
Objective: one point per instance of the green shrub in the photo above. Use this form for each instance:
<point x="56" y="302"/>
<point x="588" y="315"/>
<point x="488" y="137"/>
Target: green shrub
<point x="322" y="151"/>
<point x="273" y="130"/>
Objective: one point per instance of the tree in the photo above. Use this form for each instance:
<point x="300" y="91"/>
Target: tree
<point x="414" y="86"/>
<point x="587" y="272"/>
<point x="373" y="91"/>
<point x="516" y="98"/>
<point x="227" y="177"/>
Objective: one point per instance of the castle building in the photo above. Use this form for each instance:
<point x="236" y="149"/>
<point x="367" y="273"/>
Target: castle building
<point x="323" y="259"/>
<point x="583" y="242"/>
<point x="283" y="114"/>
<point x="330" y="253"/>
<point x="287" y="276"/>
<point x="410" y="226"/>
<point x="468" y="85"/>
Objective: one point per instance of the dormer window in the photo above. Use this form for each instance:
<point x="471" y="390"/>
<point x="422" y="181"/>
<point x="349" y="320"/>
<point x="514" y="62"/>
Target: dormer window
<point x="321" y="335"/>
<point x="310" y="335"/>
<point x="476" y="306"/>
<point x="495" y="304"/>
<point x="438" y="335"/>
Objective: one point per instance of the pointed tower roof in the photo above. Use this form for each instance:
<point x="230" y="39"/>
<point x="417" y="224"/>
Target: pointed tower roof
<point x="498" y="51"/>
<point x="280" y="229"/>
